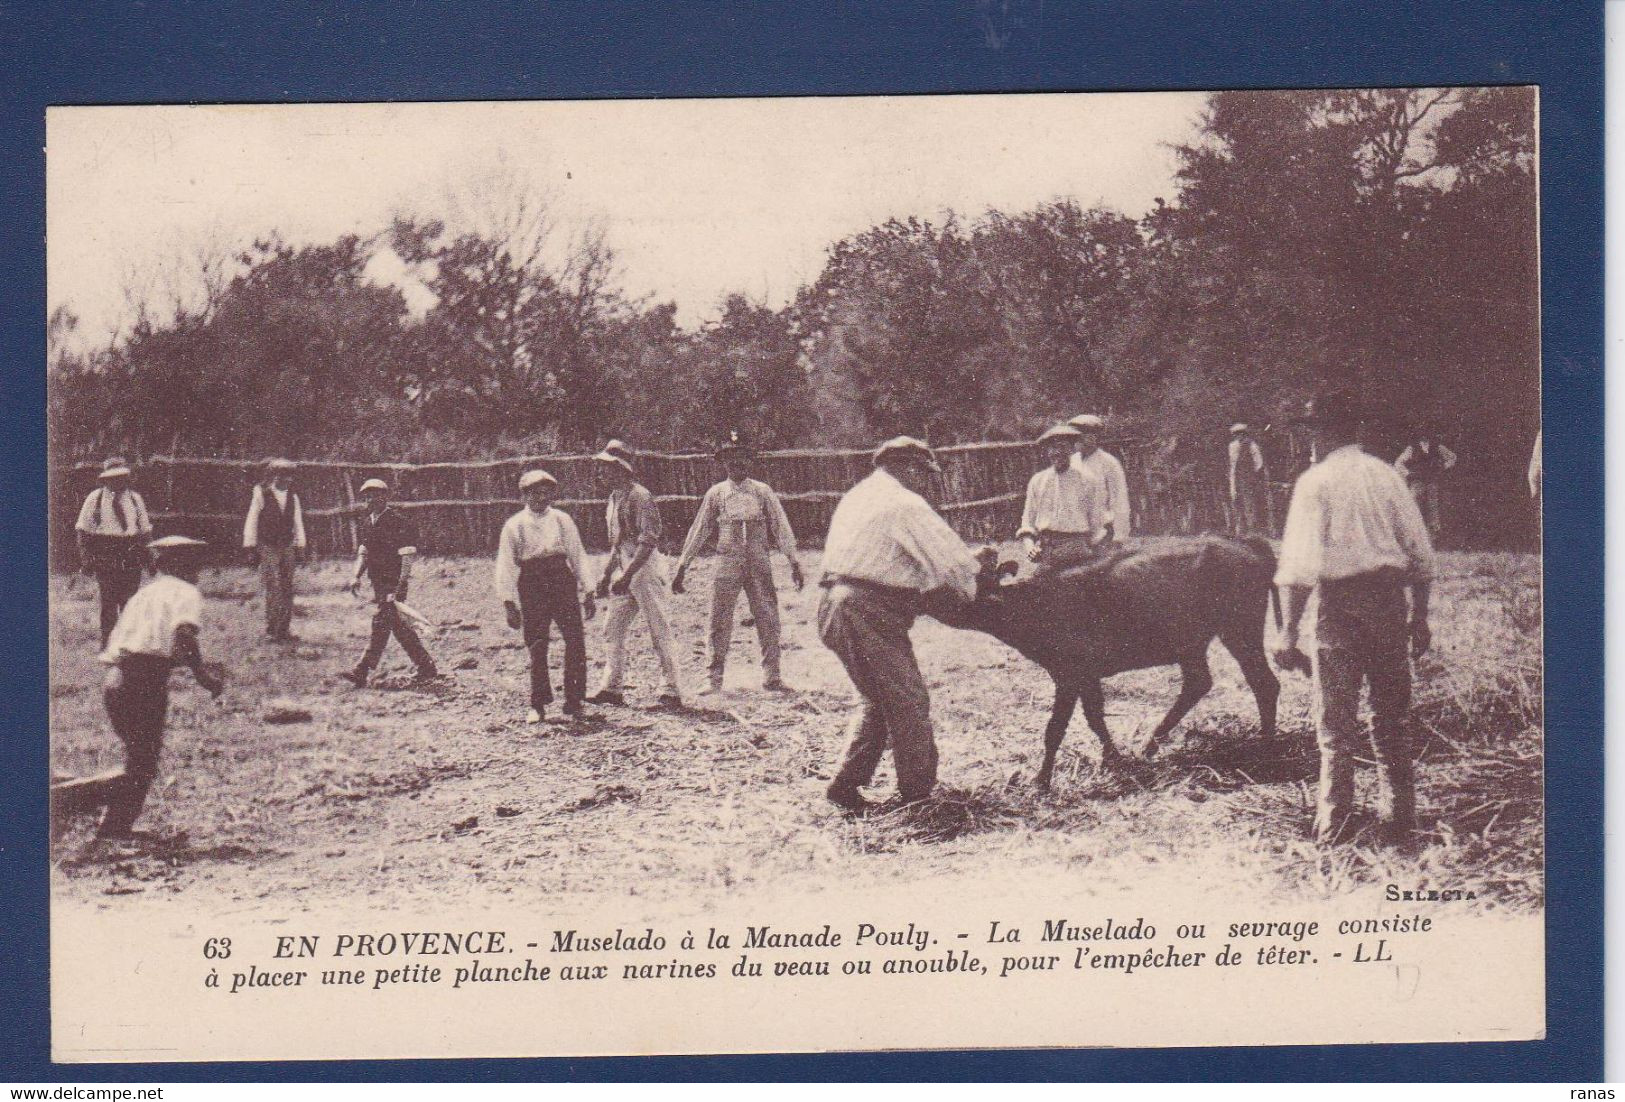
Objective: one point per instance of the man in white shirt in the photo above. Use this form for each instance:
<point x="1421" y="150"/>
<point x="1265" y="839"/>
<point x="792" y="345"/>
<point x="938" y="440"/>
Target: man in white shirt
<point x="1424" y="463"/>
<point x="541" y="578"/>
<point x="1067" y="515"/>
<point x="157" y="631"/>
<point x="887" y="554"/>
<point x="1097" y="461"/>
<point x="1249" y="486"/>
<point x="1354" y="532"/>
<point x="273" y="536"/>
<point x="747" y="520"/>
<point x="113" y="528"/>
<point x="634" y="578"/>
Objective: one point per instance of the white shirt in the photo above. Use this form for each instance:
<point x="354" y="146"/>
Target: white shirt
<point x="1073" y="500"/>
<point x="1351" y="513"/>
<point x="530" y="535"/>
<point x="1104" y="465"/>
<point x="257" y="502"/>
<point x="147" y="624"/>
<point x="885" y="533"/>
<point x="738" y="501"/>
<point x="99" y="516"/>
<point x="1245" y="467"/>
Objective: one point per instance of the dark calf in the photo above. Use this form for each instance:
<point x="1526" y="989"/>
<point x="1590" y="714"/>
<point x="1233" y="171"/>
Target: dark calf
<point x="1135" y="609"/>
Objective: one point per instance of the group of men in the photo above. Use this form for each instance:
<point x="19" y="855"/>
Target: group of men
<point x="1353" y="530"/>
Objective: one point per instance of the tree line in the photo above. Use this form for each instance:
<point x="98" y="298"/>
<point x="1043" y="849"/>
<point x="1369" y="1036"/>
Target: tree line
<point x="1382" y="238"/>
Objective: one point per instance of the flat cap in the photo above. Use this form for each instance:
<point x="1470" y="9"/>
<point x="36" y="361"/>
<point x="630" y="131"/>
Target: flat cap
<point x="1239" y="426"/>
<point x="375" y="484"/>
<point x="1088" y="422"/>
<point x="281" y="465"/>
<point x="900" y="446"/>
<point x="531" y="478"/>
<point x="619" y="449"/>
<point x="174" y="543"/>
<point x="114" y="472"/>
<point x="1059" y="432"/>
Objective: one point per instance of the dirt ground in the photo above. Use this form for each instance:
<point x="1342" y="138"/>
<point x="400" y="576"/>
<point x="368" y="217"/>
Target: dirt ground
<point x="401" y="796"/>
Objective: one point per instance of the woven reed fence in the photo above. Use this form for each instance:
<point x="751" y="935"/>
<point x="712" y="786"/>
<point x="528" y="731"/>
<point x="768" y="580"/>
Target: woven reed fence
<point x="460" y="507"/>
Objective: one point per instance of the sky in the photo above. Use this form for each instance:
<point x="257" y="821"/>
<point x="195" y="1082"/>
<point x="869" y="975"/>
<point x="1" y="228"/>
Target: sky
<point x="698" y="198"/>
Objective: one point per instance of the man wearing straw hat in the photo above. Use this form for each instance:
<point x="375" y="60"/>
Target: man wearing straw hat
<point x="1066" y="516"/>
<point x="388" y="546"/>
<point x="747" y="520"/>
<point x="634" y="578"/>
<point x="1354" y="532"/>
<point x="157" y="631"/>
<point x="887" y="556"/>
<point x="112" y="529"/>
<point x="541" y="577"/>
<point x="1249" y="490"/>
<point x="1096" y="461"/>
<point x="273" y="536"/>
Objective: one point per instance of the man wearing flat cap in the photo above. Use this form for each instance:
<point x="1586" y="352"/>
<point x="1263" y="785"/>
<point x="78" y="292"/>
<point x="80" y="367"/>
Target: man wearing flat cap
<point x="1096" y="462"/>
<point x="273" y="537"/>
<point x="156" y="632"/>
<point x="887" y="558"/>
<point x="388" y="544"/>
<point x="1067" y="513"/>
<point x="1249" y="485"/>
<point x="112" y="530"/>
<point x="541" y="579"/>
<point x="747" y="520"/>
<point x="1353" y="531"/>
<point x="634" y="578"/>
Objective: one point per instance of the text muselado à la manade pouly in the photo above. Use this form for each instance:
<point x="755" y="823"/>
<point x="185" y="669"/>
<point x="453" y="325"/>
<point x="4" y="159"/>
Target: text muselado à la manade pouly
<point x="1111" y="945"/>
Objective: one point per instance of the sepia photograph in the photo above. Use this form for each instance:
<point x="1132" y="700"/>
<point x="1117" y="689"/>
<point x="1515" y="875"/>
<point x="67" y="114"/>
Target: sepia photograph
<point x="596" y="577"/>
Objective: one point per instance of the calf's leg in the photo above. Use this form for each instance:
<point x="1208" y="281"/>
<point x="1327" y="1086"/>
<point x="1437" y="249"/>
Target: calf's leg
<point x="1066" y="699"/>
<point x="1255" y="667"/>
<point x="1195" y="679"/>
<point x="1093" y="698"/>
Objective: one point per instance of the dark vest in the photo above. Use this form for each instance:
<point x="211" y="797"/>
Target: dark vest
<point x="275" y="524"/>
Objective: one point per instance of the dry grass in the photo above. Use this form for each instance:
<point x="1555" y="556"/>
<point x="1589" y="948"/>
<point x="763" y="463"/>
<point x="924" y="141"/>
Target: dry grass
<point x="403" y="795"/>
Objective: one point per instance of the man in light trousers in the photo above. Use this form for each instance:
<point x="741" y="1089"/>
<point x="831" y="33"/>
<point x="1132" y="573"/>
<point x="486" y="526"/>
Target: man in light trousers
<point x="888" y="557"/>
<point x="747" y="520"/>
<point x="274" y="536"/>
<point x="1354" y="532"/>
<point x="634" y="579"/>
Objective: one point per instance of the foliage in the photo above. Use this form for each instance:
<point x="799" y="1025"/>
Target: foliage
<point x="1381" y="238"/>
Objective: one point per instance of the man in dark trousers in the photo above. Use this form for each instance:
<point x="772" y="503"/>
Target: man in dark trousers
<point x="388" y="546"/>
<point x="1354" y="532"/>
<point x="113" y="529"/>
<point x="273" y="536"/>
<point x="541" y="577"/>
<point x="157" y="631"/>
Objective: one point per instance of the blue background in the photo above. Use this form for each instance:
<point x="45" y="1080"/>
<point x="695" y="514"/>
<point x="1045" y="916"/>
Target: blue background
<point x="269" y="52"/>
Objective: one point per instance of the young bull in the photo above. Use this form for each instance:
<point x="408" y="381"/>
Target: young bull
<point x="1133" y="609"/>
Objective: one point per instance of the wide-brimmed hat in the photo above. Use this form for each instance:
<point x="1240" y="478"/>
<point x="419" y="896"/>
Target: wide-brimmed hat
<point x="1059" y="432"/>
<point x="900" y="446"/>
<point x="620" y="449"/>
<point x="115" y="466"/>
<point x="281" y="465"/>
<point x="375" y="484"/>
<point x="110" y="473"/>
<point x="607" y="456"/>
<point x="531" y="478"/>
<point x="1088" y="422"/>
